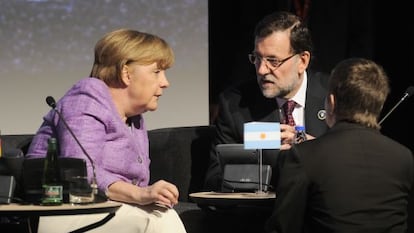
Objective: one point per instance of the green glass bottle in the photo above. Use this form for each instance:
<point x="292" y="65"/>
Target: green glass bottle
<point x="51" y="180"/>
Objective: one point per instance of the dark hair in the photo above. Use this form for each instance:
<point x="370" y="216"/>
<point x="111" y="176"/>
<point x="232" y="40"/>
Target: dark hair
<point x="300" y="36"/>
<point x="360" y="87"/>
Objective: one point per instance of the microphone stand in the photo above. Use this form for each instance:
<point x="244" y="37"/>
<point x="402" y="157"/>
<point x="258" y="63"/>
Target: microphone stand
<point x="392" y="109"/>
<point x="51" y="102"/>
<point x="94" y="184"/>
<point x="407" y="94"/>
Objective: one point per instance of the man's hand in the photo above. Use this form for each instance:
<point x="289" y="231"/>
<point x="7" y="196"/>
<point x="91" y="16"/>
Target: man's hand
<point x="287" y="136"/>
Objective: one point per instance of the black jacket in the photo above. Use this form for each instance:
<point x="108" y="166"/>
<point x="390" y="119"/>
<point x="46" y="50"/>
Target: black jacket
<point x="245" y="103"/>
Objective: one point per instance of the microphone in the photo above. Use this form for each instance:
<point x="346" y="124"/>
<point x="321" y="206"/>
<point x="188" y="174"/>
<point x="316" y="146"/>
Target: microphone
<point x="52" y="103"/>
<point x="408" y="93"/>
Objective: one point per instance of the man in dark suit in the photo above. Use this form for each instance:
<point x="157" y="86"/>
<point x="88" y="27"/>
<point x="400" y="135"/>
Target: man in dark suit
<point x="281" y="56"/>
<point x="352" y="178"/>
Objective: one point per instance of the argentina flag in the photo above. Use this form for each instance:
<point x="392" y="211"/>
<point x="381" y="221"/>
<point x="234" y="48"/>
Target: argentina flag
<point x="262" y="135"/>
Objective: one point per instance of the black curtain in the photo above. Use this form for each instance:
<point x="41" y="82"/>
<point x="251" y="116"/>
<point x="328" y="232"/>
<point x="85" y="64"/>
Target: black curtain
<point x="340" y="29"/>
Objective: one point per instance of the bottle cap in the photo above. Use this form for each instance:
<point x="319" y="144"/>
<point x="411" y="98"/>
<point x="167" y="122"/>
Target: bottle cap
<point x="300" y="128"/>
<point x="52" y="140"/>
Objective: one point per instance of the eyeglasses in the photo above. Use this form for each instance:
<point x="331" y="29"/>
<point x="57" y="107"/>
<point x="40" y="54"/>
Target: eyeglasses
<point x="274" y="63"/>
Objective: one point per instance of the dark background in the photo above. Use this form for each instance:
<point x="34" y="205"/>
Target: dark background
<point x="381" y="31"/>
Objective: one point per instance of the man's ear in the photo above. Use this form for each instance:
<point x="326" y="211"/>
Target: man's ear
<point x="304" y="61"/>
<point x="332" y="103"/>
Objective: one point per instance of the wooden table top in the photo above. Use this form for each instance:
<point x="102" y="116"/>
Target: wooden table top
<point x="64" y="209"/>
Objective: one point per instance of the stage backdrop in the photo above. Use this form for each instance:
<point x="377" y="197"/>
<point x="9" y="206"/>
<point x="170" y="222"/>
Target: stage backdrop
<point x="47" y="45"/>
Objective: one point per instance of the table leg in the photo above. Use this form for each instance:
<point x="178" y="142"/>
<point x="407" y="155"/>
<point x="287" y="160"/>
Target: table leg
<point x="32" y="224"/>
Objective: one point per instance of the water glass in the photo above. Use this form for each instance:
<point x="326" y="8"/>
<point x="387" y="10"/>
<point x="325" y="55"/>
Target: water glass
<point x="80" y="190"/>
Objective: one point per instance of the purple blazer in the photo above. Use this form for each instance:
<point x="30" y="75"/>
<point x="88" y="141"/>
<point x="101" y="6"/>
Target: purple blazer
<point x="120" y="151"/>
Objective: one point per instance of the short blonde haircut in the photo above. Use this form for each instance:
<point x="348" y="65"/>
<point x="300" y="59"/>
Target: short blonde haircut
<point x="124" y="46"/>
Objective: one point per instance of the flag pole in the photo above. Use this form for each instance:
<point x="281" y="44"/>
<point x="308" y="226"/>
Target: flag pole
<point x="260" y="191"/>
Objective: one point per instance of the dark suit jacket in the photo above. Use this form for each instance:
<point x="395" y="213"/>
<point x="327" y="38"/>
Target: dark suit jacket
<point x="351" y="179"/>
<point x="245" y="103"/>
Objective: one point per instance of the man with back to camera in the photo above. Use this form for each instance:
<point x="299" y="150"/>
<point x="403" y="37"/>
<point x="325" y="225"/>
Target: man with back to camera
<point x="352" y="178"/>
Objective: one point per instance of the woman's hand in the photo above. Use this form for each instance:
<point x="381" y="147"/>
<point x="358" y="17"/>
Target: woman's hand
<point x="161" y="192"/>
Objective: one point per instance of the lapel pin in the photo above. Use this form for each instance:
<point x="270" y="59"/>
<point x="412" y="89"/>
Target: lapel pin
<point x="321" y="114"/>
